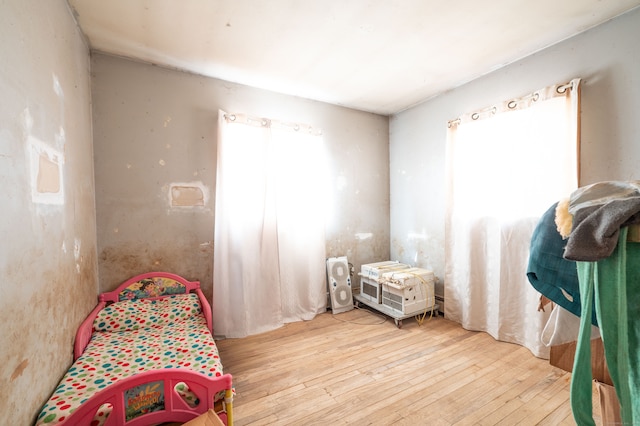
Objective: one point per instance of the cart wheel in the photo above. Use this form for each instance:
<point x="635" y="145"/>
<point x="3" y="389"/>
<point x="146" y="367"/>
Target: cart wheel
<point x="398" y="323"/>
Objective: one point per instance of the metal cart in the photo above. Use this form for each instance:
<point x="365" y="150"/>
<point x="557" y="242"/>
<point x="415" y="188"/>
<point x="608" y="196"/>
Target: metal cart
<point x="397" y="318"/>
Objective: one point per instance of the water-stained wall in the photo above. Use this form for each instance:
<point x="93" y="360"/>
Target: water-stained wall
<point x="155" y="154"/>
<point x="607" y="58"/>
<point x="48" y="264"/>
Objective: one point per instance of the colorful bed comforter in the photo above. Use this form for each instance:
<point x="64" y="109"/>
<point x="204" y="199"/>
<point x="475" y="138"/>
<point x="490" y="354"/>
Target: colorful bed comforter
<point x="132" y="337"/>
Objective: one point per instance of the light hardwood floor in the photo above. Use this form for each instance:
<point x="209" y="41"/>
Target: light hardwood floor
<point x="357" y="368"/>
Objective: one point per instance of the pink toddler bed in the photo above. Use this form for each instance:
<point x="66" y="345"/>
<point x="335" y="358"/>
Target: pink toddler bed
<point x="144" y="355"/>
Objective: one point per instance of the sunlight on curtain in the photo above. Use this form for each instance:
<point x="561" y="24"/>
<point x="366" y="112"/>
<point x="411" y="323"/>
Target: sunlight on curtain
<point x="269" y="252"/>
<point x="506" y="166"/>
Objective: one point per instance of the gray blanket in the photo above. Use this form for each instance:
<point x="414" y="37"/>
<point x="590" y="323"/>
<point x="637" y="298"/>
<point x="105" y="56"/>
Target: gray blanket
<point x="599" y="211"/>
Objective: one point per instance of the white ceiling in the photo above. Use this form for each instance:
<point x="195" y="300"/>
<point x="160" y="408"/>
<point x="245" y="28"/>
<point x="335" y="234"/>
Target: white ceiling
<point x="381" y="56"/>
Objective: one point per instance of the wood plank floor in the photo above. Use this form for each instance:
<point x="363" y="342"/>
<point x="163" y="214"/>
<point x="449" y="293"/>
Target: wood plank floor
<point x="358" y="368"/>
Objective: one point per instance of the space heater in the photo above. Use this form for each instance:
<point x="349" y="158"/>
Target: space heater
<point x="370" y="275"/>
<point x="409" y="291"/>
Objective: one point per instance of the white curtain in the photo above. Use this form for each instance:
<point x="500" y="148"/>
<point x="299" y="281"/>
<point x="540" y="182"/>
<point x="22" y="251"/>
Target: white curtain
<point x="269" y="244"/>
<point x="506" y="165"/>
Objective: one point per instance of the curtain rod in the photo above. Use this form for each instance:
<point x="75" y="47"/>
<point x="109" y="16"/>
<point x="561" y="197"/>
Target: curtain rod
<point x="559" y="89"/>
<point x="267" y="122"/>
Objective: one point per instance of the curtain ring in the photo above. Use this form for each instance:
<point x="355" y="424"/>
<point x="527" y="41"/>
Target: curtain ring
<point x="452" y="123"/>
<point x="475" y="116"/>
<point x="536" y="96"/>
<point x="494" y="110"/>
<point x="563" y="87"/>
<point x="512" y="104"/>
<point x="231" y="117"/>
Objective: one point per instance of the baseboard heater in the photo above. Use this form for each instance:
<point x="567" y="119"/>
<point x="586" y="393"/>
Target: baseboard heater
<point x="440" y="302"/>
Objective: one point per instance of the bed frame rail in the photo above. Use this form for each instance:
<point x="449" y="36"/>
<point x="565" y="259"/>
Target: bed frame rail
<point x="147" y="387"/>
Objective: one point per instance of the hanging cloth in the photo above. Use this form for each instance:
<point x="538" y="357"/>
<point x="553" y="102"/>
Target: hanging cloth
<point x="613" y="284"/>
<point x="489" y="219"/>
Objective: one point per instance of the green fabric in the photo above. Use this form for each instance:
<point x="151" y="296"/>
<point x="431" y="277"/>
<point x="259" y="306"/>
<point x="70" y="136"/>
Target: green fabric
<point x="581" y="404"/>
<point x="614" y="284"/>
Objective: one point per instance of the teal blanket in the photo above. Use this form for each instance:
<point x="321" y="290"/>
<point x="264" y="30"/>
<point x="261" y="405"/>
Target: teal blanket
<point x="548" y="271"/>
<point x="613" y="284"/>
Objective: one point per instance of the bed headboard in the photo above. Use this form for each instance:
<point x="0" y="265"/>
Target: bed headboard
<point x="150" y="285"/>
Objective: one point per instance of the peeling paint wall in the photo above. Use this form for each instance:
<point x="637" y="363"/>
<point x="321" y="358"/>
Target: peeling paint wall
<point x="155" y="135"/>
<point x="48" y="263"/>
<point x="607" y="58"/>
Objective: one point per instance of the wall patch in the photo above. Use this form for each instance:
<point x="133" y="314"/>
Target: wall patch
<point x="192" y="194"/>
<point x="46" y="173"/>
